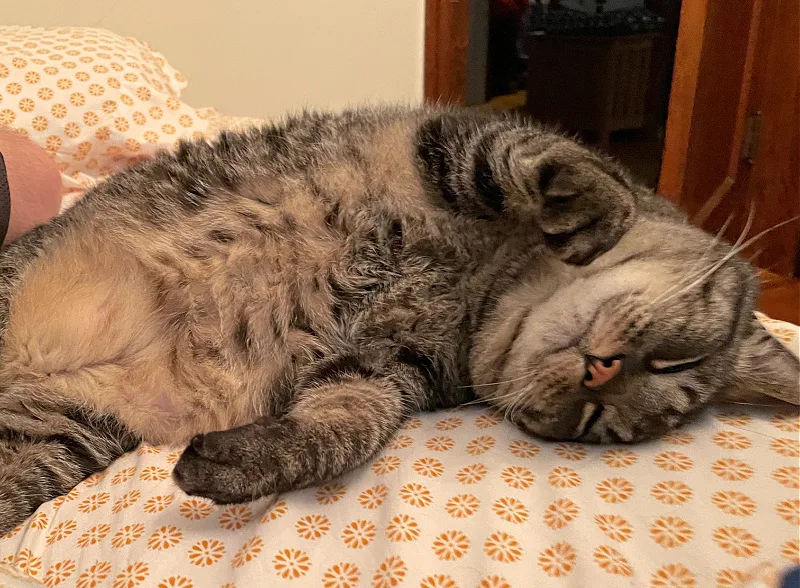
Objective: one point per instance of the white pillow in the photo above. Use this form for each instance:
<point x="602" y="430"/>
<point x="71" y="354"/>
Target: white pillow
<point x="96" y="101"/>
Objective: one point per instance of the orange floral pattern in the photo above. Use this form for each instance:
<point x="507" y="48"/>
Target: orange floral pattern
<point x="615" y="527"/>
<point x="560" y="513"/>
<point x="341" y="575"/>
<point x="416" y="495"/>
<point x="671" y="492"/>
<point x="511" y="510"/>
<point x="564" y="477"/>
<point x="732" y="440"/>
<point x="737" y="541"/>
<point x="673" y="461"/>
<point x="312" y="527"/>
<point x="732" y="470"/>
<point x="502" y="547"/>
<point x="358" y="534"/>
<point x="472" y="474"/>
<point x="291" y="564"/>
<point x="619" y="458"/>
<point x="450" y="545"/>
<point x="614" y="490"/>
<point x="247" y="552"/>
<point x="206" y="552"/>
<point x="57" y="102"/>
<point x="372" y="498"/>
<point x="786" y="447"/>
<point x="558" y="560"/>
<point x="402" y="527"/>
<point x="789" y="511"/>
<point x="734" y="503"/>
<point x="462" y="506"/>
<point x="492" y="509"/>
<point x="669" y="532"/>
<point x="673" y="576"/>
<point x="612" y="561"/>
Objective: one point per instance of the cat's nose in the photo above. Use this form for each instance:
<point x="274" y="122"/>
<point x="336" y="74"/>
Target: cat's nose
<point x="599" y="370"/>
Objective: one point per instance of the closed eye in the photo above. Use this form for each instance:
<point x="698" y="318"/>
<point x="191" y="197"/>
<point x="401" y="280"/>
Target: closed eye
<point x="671" y="366"/>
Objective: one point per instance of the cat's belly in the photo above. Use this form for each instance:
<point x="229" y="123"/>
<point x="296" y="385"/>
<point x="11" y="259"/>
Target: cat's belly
<point x="93" y="324"/>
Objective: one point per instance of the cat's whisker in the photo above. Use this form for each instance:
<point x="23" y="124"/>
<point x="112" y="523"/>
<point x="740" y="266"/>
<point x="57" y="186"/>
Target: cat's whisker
<point x="755" y="256"/>
<point x="738" y="247"/>
<point x="517" y="403"/>
<point x="522" y="377"/>
<point x="679" y="287"/>
<point x="691" y="272"/>
<point x="476" y="401"/>
<point x="512" y="394"/>
<point x="741" y="402"/>
<point x="713" y="243"/>
<point x="762" y="234"/>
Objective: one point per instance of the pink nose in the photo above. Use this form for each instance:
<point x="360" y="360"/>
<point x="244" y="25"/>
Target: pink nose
<point x="600" y="371"/>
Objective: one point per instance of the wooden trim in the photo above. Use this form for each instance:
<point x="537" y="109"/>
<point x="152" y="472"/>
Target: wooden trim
<point x="688" y="50"/>
<point x="446" y="45"/>
<point x="741" y="120"/>
<point x="744" y="95"/>
<point x="780" y="297"/>
<point x="707" y="102"/>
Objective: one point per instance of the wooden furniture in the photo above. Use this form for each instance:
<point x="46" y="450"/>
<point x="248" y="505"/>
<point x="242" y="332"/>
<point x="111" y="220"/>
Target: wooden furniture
<point x="590" y="83"/>
<point x="733" y="133"/>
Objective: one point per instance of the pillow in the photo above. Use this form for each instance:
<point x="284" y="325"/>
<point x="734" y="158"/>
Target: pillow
<point x="96" y="101"/>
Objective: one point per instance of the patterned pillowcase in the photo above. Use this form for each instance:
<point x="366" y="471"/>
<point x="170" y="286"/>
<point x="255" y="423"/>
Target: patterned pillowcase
<point x="95" y="101"/>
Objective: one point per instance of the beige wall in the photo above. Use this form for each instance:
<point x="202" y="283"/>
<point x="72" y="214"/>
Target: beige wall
<point x="264" y="57"/>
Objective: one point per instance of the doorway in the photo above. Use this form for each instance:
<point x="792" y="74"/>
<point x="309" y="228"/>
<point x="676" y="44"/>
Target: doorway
<point x="598" y="69"/>
<point x="716" y="128"/>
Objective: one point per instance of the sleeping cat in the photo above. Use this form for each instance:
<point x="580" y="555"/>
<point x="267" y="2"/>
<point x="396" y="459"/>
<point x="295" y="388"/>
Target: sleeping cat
<point x="283" y="298"/>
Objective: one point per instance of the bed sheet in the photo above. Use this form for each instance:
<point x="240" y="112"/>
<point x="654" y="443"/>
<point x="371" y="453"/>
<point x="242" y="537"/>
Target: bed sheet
<point x="458" y="499"/>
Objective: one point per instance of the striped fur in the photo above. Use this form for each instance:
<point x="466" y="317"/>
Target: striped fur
<point x="281" y="299"/>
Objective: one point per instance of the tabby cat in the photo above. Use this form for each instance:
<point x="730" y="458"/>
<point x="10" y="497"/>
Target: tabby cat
<point x="281" y="299"/>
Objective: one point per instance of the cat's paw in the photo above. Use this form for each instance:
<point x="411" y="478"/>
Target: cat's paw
<point x="227" y="466"/>
<point x="582" y="208"/>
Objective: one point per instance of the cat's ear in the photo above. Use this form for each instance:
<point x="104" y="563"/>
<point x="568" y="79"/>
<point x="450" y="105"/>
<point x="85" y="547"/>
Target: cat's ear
<point x="765" y="371"/>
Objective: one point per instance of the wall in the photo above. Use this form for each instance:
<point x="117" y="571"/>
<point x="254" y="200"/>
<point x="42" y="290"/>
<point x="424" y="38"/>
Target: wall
<point x="263" y="58"/>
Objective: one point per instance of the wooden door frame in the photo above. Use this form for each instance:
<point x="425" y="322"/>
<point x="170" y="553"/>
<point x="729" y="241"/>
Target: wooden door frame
<point x="708" y="104"/>
<point x="446" y="50"/>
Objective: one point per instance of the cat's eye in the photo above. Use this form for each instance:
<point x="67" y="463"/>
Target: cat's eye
<point x="671" y="366"/>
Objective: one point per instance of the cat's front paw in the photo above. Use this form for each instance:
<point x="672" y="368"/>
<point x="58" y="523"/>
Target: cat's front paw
<point x="581" y="204"/>
<point x="227" y="466"/>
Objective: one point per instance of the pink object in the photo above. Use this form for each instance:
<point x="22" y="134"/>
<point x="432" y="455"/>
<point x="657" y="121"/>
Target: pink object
<point x="33" y="180"/>
<point x="600" y="371"/>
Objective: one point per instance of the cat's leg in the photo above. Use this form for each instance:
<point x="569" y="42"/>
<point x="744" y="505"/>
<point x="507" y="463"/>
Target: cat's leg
<point x="47" y="444"/>
<point x="519" y="174"/>
<point x="47" y="447"/>
<point x="341" y="417"/>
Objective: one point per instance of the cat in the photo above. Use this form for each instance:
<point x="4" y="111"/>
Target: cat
<point x="281" y="299"/>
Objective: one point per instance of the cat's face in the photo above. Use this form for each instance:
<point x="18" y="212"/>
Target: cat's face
<point x="634" y="343"/>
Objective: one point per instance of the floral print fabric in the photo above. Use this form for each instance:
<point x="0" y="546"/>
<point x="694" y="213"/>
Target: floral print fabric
<point x="457" y="499"/>
<point x="97" y="102"/>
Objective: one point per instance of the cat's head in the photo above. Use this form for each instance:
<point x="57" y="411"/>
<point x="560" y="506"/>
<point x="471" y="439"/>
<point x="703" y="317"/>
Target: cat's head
<point x="634" y="343"/>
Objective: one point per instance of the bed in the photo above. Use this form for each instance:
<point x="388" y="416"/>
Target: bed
<point x="458" y="498"/>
